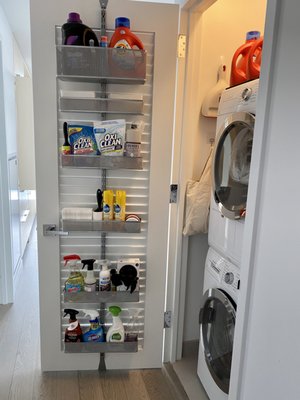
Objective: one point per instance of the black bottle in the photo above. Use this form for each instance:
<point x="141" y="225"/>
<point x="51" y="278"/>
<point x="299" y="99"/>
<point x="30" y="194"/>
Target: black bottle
<point x="74" y="32"/>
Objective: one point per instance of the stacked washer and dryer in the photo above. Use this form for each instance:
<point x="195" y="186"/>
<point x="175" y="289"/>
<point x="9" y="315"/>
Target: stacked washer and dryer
<point x="231" y="168"/>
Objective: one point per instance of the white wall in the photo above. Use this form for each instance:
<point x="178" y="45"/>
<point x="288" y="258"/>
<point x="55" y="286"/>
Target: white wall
<point x="272" y="348"/>
<point x="8" y="147"/>
<point x="219" y="31"/>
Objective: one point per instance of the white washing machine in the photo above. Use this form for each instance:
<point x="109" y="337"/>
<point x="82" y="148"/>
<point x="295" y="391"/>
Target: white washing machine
<point x="231" y="168"/>
<point x="217" y="323"/>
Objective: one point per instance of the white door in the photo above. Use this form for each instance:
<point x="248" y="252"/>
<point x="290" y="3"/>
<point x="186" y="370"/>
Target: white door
<point x="162" y="21"/>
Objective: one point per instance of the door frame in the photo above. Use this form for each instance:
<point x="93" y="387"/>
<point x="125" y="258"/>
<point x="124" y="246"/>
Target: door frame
<point x="6" y="269"/>
<point x="182" y="168"/>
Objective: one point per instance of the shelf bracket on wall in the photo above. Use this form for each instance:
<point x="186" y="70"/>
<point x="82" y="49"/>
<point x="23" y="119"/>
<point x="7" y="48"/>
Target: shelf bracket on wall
<point x="102" y="365"/>
<point x="103" y="5"/>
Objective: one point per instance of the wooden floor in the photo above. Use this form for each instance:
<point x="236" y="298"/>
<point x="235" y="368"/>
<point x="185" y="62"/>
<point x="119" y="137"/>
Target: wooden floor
<point x="20" y="374"/>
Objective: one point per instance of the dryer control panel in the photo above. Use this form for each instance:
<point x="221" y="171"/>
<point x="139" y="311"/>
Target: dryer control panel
<point x="231" y="278"/>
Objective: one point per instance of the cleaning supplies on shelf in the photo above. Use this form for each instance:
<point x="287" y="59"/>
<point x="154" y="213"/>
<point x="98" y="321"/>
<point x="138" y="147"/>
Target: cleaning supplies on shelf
<point x="123" y="37"/>
<point x="131" y="333"/>
<point x="80" y="213"/>
<point x="75" y="281"/>
<point x="110" y="136"/>
<point x="95" y="332"/>
<point x="103" y="41"/>
<point x="108" y="205"/>
<point x="212" y="99"/>
<point x="97" y="212"/>
<point x="74" y="32"/>
<point x="240" y="59"/>
<point x="120" y="205"/>
<point x="82" y="140"/>
<point x="133" y="141"/>
<point x="127" y="274"/>
<point x="116" y="332"/>
<point x="66" y="148"/>
<point x="104" y="277"/>
<point x="90" y="280"/>
<point x="73" y="332"/>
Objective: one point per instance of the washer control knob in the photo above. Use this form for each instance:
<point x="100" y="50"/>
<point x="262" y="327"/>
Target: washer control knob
<point x="229" y="278"/>
<point x="246" y="94"/>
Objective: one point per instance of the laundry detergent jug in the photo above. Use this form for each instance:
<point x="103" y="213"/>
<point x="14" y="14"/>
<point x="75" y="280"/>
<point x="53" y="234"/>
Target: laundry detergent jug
<point x="123" y="37"/>
<point x="254" y="60"/>
<point x="239" y="64"/>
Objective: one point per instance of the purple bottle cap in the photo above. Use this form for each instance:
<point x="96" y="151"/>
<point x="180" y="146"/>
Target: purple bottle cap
<point x="252" y="35"/>
<point x="74" y="17"/>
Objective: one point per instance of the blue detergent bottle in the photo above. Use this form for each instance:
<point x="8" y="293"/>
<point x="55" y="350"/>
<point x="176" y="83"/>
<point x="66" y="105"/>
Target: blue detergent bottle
<point x="95" y="332"/>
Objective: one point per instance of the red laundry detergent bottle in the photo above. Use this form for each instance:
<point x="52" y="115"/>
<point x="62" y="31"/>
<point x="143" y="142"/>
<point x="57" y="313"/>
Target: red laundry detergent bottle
<point x="123" y="37"/>
<point x="239" y="64"/>
<point x="254" y="61"/>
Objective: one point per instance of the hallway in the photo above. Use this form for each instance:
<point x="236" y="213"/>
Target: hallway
<point x="21" y="377"/>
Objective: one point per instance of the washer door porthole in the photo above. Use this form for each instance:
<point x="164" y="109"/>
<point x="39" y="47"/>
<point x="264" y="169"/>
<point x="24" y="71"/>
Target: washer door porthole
<point x="231" y="166"/>
<point x="217" y="319"/>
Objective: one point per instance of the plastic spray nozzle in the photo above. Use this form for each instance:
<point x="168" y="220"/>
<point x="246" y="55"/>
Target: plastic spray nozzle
<point x="72" y="313"/>
<point x="93" y="314"/>
<point x="90" y="264"/>
<point x="115" y="310"/>
<point x="71" y="259"/>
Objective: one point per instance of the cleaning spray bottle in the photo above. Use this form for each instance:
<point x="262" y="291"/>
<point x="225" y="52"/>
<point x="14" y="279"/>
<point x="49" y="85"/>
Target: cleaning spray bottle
<point x="73" y="333"/>
<point x="116" y="332"/>
<point x="90" y="280"/>
<point x="104" y="277"/>
<point x="75" y="281"/>
<point x="95" y="332"/>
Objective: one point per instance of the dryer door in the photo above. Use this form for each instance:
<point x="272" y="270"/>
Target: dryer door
<point x="231" y="166"/>
<point x="217" y="322"/>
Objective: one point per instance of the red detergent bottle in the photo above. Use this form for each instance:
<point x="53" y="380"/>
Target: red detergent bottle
<point x="123" y="37"/>
<point x="254" y="61"/>
<point x="239" y="64"/>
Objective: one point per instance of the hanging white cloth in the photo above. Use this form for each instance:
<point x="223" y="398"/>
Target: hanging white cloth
<point x="197" y="201"/>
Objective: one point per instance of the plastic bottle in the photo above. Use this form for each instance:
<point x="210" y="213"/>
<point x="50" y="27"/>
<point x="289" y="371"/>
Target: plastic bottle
<point x="108" y="205"/>
<point x="239" y="64"/>
<point x="116" y="332"/>
<point x="104" y="277"/>
<point x="90" y="280"/>
<point x="73" y="333"/>
<point x="123" y="37"/>
<point x="120" y="205"/>
<point x="254" y="61"/>
<point x="95" y="332"/>
<point x="103" y="41"/>
<point x="74" y="32"/>
<point x="75" y="281"/>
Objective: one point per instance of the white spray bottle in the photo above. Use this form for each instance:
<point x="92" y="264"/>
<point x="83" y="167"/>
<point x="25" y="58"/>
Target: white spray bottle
<point x="116" y="332"/>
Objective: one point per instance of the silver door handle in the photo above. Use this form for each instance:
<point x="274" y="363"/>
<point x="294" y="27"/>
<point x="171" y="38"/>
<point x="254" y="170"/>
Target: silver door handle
<point x="51" y="230"/>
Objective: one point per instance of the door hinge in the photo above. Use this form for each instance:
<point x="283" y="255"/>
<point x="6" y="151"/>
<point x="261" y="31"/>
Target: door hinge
<point x="167" y="319"/>
<point x="173" y="193"/>
<point x="181" y="48"/>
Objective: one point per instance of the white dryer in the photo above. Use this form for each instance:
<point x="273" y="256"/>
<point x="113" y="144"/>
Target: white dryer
<point x="231" y="168"/>
<point x="217" y="323"/>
